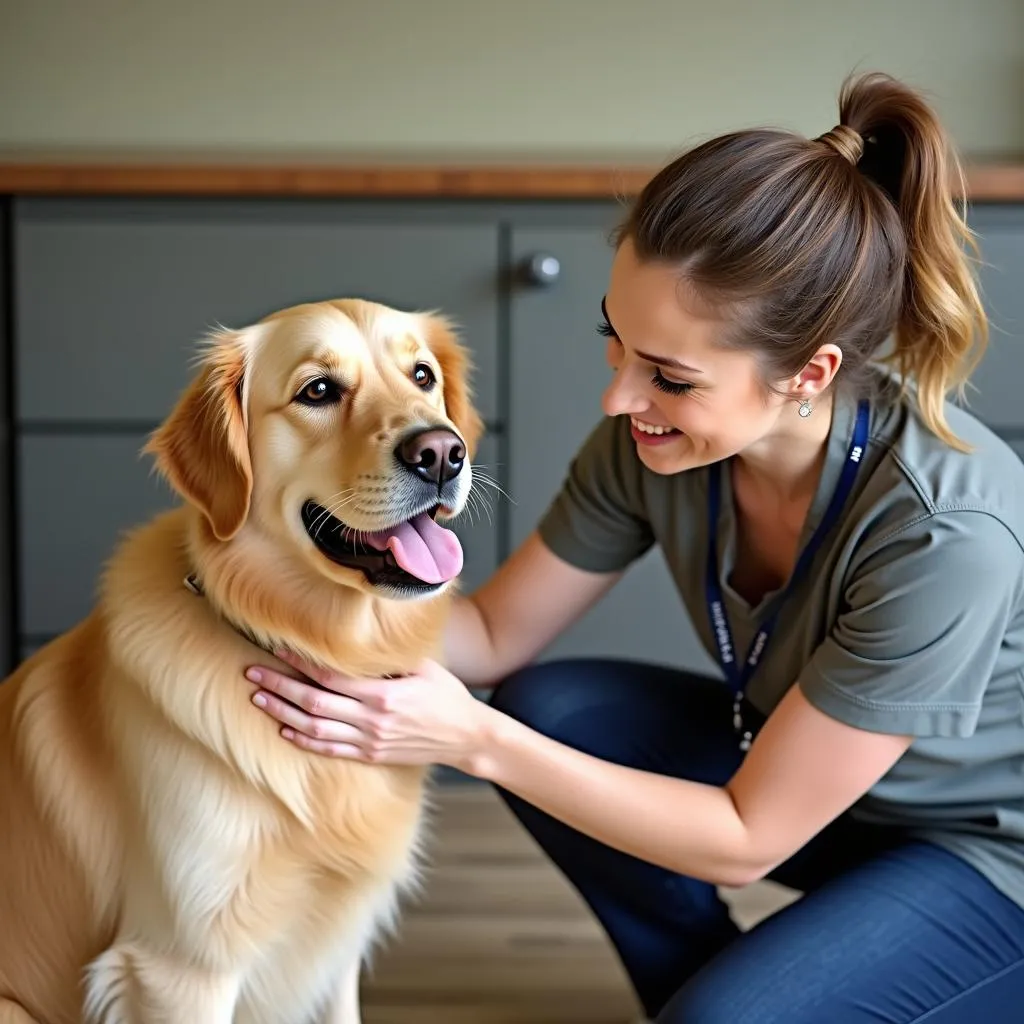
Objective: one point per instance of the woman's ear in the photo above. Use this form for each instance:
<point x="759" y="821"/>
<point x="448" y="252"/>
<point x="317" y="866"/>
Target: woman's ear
<point x="818" y="373"/>
<point x="202" y="448"/>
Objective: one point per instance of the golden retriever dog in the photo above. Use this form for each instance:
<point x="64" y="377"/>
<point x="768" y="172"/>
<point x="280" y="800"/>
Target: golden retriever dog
<point x="164" y="855"/>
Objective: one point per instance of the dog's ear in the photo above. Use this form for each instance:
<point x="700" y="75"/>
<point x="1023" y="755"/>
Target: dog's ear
<point x="455" y="369"/>
<point x="202" y="448"/>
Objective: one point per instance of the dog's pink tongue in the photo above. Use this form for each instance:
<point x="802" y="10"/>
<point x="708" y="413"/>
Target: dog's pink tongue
<point x="422" y="548"/>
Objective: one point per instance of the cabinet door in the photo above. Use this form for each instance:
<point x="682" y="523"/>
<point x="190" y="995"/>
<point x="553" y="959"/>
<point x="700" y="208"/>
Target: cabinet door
<point x="112" y="297"/>
<point x="994" y="394"/>
<point x="557" y="374"/>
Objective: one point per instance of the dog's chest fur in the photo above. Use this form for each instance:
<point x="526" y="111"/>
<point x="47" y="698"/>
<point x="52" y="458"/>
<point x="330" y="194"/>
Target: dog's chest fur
<point x="252" y="854"/>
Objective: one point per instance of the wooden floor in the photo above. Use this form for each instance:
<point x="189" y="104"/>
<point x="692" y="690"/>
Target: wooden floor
<point x="499" y="937"/>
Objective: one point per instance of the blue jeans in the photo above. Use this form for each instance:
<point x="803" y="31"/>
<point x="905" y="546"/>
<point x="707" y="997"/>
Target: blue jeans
<point x="888" y="929"/>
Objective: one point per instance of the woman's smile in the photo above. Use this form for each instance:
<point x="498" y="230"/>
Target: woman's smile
<point x="652" y="433"/>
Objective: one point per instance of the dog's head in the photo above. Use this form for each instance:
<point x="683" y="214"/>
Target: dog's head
<point x="344" y="429"/>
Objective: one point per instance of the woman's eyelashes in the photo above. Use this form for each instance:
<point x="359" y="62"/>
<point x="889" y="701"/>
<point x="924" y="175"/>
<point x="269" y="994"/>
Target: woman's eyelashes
<point x="659" y="380"/>
<point x="671" y="387"/>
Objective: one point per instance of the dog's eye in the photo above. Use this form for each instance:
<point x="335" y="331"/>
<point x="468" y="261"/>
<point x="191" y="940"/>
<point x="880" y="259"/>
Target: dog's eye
<point x="424" y="376"/>
<point x="321" y="391"/>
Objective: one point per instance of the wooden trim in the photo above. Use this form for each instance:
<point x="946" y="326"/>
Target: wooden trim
<point x="996" y="182"/>
<point x="985" y="181"/>
<point x="313" y="180"/>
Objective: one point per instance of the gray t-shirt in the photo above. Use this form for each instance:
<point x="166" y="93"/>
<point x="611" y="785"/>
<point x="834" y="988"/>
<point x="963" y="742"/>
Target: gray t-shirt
<point x="910" y="619"/>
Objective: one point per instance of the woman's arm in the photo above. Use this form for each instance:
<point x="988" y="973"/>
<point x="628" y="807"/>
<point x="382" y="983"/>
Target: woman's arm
<point x="803" y="770"/>
<point x="532" y="598"/>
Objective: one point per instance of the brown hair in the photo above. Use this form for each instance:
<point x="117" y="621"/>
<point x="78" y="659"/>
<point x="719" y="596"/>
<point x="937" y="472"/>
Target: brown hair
<point x="850" y="238"/>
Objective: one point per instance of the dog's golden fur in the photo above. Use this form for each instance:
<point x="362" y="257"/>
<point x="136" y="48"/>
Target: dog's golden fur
<point x="165" y="855"/>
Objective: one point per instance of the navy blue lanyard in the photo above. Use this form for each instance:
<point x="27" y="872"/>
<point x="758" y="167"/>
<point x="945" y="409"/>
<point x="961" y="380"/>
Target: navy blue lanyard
<point x="718" y="616"/>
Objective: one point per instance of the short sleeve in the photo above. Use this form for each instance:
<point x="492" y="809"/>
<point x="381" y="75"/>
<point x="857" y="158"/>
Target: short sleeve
<point x="918" y="639"/>
<point x="597" y="520"/>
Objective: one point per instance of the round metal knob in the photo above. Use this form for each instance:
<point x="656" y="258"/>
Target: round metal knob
<point x="542" y="268"/>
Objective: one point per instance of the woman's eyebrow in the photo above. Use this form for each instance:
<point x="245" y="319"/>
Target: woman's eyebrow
<point x="666" y="361"/>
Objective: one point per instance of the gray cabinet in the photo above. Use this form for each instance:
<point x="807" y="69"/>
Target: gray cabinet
<point x="557" y="373"/>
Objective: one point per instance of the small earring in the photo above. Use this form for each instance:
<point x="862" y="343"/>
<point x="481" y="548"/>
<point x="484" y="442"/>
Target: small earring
<point x="805" y="408"/>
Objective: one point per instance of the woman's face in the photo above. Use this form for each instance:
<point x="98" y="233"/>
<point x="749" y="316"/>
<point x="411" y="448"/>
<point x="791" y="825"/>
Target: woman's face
<point x="690" y="402"/>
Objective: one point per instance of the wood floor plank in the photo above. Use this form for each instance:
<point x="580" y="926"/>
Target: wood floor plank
<point x="498" y="936"/>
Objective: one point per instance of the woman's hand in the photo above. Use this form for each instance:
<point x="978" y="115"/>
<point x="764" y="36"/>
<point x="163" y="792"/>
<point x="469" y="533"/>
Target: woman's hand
<point x="425" y="718"/>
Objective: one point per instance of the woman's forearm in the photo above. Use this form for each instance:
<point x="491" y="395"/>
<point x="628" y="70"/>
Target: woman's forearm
<point x="687" y="827"/>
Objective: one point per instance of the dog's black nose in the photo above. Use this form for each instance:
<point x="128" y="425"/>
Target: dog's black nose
<point x="436" y="455"/>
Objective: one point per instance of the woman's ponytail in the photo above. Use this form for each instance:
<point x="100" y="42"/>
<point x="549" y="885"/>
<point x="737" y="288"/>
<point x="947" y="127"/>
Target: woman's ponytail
<point x="941" y="331"/>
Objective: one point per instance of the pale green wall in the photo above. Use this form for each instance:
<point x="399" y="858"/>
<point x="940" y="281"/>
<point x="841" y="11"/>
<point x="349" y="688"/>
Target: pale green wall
<point x="438" y="76"/>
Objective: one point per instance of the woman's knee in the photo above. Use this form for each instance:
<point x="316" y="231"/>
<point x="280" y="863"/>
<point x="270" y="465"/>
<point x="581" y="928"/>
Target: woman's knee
<point x="547" y="696"/>
<point x="701" y="1003"/>
<point x="648" y="716"/>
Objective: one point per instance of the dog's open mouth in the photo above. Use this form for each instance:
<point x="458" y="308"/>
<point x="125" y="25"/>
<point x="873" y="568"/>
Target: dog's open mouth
<point x="417" y="554"/>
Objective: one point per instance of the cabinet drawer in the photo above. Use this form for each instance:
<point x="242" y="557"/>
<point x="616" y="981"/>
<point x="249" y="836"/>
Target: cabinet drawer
<point x="996" y="385"/>
<point x="27" y="648"/>
<point x="77" y="495"/>
<point x="111" y="301"/>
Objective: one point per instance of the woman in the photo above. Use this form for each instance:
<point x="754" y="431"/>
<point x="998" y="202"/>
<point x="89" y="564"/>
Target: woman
<point x="849" y="549"/>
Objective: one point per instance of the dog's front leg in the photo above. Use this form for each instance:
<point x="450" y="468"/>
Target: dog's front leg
<point x="344" y="1008"/>
<point x="130" y="985"/>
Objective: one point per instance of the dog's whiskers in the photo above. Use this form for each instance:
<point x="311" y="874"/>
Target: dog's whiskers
<point x="345" y="497"/>
<point x="475" y="509"/>
<point x="489" y="481"/>
<point x="355" y="536"/>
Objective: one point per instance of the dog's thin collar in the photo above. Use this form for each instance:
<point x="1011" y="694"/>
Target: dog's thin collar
<point x="194" y="585"/>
